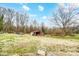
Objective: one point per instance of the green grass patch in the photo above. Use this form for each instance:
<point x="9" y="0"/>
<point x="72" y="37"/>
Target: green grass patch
<point x="75" y="37"/>
<point x="12" y="44"/>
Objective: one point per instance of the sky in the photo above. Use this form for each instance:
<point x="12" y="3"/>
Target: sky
<point x="37" y="11"/>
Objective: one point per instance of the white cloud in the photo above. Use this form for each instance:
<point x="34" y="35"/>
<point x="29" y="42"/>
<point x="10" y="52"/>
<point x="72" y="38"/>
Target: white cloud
<point x="32" y="15"/>
<point x="25" y="7"/>
<point x="40" y="8"/>
<point x="61" y="4"/>
<point x="44" y="17"/>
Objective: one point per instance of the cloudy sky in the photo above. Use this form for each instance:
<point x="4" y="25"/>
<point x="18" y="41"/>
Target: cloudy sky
<point x="39" y="11"/>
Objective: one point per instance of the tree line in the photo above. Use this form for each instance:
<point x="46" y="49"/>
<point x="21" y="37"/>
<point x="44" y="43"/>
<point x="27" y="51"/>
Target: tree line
<point x="66" y="22"/>
<point x="15" y="22"/>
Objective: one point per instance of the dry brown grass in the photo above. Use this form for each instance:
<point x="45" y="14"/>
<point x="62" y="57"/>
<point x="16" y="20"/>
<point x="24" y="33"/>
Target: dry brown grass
<point x="21" y="45"/>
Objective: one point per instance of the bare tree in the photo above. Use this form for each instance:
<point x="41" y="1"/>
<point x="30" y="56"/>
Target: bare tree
<point x="23" y="22"/>
<point x="26" y="23"/>
<point x="17" y="22"/>
<point x="8" y="22"/>
<point x="8" y="26"/>
<point x="65" y="18"/>
<point x="43" y="29"/>
<point x="14" y="21"/>
<point x="35" y="25"/>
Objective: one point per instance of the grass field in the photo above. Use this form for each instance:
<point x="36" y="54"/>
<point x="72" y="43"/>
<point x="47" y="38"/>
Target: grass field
<point x="27" y="45"/>
<point x="75" y="37"/>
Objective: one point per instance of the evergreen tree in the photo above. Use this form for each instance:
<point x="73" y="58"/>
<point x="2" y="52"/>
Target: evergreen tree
<point x="1" y="22"/>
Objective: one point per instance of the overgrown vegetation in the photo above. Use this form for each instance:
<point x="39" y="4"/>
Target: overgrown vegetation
<point x="21" y="45"/>
<point x="16" y="44"/>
